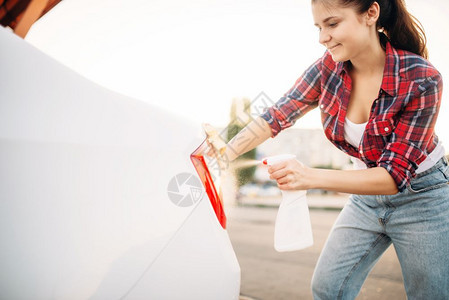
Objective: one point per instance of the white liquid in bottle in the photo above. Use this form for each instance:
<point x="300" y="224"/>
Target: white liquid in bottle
<point x="293" y="230"/>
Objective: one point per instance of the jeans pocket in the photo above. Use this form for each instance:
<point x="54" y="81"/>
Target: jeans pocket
<point x="431" y="181"/>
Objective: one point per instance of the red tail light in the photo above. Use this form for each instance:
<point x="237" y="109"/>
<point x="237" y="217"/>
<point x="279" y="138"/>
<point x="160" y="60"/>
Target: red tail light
<point x="202" y="169"/>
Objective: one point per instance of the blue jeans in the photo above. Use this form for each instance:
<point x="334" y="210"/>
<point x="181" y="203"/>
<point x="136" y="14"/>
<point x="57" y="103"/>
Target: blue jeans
<point x="415" y="221"/>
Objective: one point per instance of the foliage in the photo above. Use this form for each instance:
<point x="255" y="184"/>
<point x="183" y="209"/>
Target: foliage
<point x="240" y="117"/>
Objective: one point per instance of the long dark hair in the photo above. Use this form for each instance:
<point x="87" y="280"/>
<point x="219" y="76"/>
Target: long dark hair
<point x="398" y="26"/>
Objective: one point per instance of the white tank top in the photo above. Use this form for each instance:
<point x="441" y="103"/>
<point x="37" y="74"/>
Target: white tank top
<point x="353" y="135"/>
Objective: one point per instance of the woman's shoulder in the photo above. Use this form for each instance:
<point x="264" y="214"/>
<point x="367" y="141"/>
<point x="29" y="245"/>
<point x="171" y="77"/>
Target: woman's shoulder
<point x="414" y="67"/>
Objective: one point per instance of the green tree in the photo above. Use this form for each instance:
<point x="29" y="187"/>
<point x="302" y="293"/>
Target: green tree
<point x="240" y="117"/>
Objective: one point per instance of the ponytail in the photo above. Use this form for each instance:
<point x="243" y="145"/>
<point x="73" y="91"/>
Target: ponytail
<point x="396" y="24"/>
<point x="403" y="30"/>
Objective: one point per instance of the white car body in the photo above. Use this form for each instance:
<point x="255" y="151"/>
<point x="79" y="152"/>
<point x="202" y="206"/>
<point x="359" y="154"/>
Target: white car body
<point x="84" y="207"/>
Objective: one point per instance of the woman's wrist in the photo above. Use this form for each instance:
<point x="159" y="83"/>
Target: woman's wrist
<point x="314" y="178"/>
<point x="228" y="154"/>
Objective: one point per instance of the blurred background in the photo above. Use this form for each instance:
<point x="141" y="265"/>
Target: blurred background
<point x="218" y="62"/>
<point x="194" y="56"/>
<point x="221" y="62"/>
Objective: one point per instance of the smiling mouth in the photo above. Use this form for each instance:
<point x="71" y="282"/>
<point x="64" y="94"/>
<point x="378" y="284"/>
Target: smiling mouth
<point x="333" y="47"/>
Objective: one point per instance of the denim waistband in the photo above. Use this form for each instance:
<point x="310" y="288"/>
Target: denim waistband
<point x="441" y="162"/>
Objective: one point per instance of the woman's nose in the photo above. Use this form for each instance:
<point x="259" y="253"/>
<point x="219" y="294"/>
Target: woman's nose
<point x="324" y="37"/>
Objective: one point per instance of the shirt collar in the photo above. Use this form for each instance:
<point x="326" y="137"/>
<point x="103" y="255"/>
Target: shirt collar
<point x="343" y="67"/>
<point x="390" y="80"/>
<point x="391" y="77"/>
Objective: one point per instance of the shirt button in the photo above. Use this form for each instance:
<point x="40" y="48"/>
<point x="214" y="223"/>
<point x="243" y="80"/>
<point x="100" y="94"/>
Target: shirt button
<point x="386" y="129"/>
<point x="322" y="106"/>
<point x="360" y="151"/>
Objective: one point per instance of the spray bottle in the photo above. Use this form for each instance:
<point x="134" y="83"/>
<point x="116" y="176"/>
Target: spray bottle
<point x="293" y="230"/>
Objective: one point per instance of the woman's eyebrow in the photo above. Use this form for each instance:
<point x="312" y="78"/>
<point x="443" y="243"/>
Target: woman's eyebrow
<point x="327" y="20"/>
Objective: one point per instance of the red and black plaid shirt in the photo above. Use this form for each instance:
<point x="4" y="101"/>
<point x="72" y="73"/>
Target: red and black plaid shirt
<point x="400" y="131"/>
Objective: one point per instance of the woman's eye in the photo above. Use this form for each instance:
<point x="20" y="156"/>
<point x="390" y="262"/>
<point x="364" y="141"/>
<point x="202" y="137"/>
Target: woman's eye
<point x="333" y="24"/>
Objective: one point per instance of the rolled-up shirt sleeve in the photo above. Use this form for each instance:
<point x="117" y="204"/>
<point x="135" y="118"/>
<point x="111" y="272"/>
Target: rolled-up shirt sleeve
<point x="300" y="99"/>
<point x="413" y="132"/>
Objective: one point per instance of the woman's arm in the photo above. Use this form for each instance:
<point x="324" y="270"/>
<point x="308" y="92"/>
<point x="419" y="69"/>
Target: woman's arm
<point x="294" y="175"/>
<point x="373" y="181"/>
<point x="254" y="134"/>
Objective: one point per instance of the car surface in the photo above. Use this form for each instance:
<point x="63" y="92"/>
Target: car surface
<point x="99" y="196"/>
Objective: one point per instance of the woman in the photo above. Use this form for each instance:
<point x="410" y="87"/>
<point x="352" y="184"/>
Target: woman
<point x="379" y="99"/>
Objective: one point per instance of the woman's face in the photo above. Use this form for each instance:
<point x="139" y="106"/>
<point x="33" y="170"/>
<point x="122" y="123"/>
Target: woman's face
<point x="343" y="31"/>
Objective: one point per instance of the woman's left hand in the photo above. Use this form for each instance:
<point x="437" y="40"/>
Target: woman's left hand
<point x="290" y="175"/>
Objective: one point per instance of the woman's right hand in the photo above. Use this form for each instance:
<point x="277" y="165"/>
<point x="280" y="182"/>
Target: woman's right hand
<point x="211" y="150"/>
<point x="247" y="139"/>
<point x="217" y="146"/>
